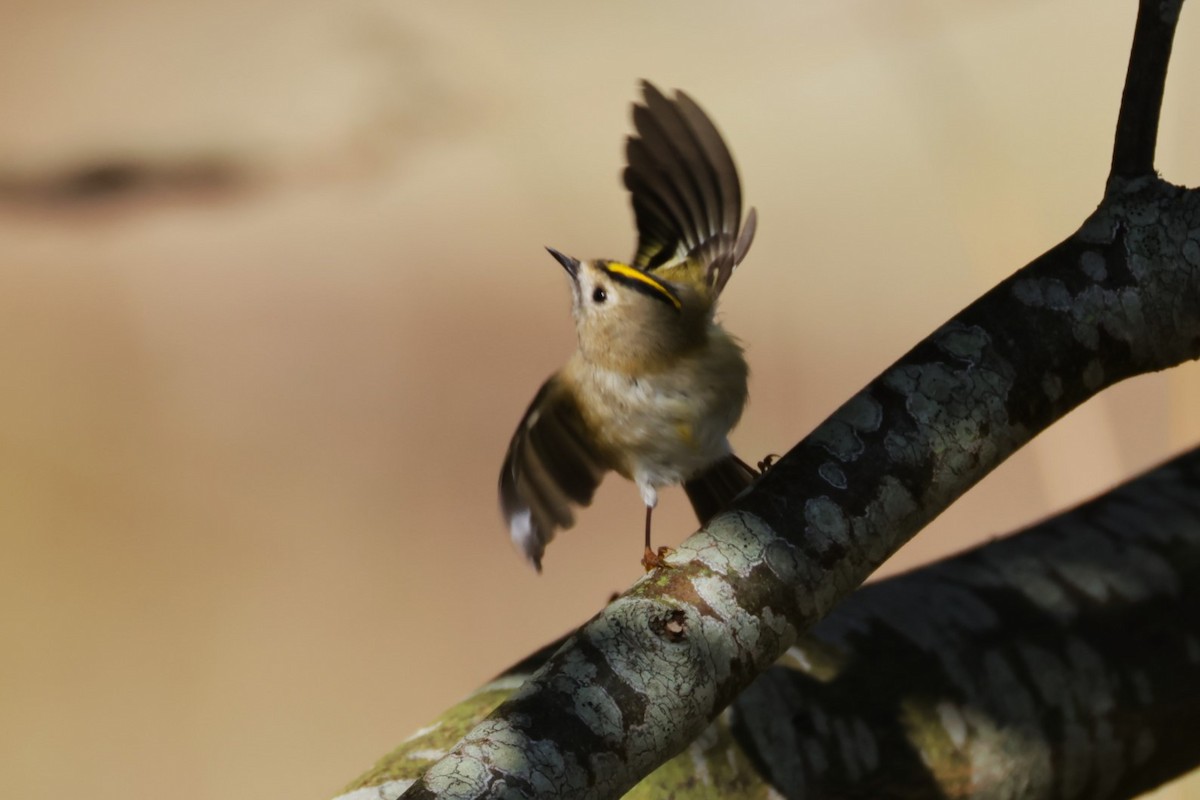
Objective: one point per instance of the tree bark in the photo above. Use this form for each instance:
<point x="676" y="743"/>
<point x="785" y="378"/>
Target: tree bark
<point x="641" y="680"/>
<point x="1058" y="662"/>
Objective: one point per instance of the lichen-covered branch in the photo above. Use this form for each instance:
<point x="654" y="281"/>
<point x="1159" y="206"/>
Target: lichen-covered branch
<point x="641" y="680"/>
<point x="1058" y="662"/>
<point x="645" y="676"/>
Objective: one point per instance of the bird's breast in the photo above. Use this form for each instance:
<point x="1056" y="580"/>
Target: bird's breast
<point x="663" y="427"/>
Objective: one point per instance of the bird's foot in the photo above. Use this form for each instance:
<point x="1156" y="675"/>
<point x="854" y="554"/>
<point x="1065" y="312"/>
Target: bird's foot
<point x="768" y="461"/>
<point x="652" y="560"/>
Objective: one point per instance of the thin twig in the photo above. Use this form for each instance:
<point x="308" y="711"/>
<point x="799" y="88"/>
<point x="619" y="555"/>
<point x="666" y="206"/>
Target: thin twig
<point x="1141" y="100"/>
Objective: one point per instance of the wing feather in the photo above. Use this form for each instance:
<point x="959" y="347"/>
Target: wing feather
<point x="677" y="165"/>
<point x="549" y="467"/>
<point x="685" y="190"/>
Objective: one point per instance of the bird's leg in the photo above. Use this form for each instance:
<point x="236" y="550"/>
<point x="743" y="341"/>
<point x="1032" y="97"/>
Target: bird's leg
<point x="652" y="558"/>
<point x="649" y="558"/>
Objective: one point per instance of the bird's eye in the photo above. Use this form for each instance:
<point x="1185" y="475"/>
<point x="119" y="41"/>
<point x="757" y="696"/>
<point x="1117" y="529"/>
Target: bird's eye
<point x="599" y="295"/>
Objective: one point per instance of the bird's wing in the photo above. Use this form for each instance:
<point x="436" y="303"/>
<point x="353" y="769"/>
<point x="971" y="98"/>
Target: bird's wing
<point x="549" y="467"/>
<point x="686" y="195"/>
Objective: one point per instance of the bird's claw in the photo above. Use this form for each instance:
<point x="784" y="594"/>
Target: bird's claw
<point x="651" y="560"/>
<point x="768" y="461"/>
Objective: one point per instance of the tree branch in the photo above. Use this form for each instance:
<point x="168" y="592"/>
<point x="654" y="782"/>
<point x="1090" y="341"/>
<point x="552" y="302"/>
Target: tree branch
<point x="644" y="677"/>
<point x="1141" y="101"/>
<point x="1058" y="661"/>
<point x="641" y="680"/>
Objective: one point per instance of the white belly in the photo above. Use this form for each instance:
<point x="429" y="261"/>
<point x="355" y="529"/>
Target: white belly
<point x="664" y="428"/>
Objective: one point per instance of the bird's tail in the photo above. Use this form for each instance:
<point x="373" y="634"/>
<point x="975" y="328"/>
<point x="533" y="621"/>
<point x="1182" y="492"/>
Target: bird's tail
<point x="714" y="488"/>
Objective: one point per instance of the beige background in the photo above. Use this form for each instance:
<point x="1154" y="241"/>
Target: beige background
<point x="252" y="410"/>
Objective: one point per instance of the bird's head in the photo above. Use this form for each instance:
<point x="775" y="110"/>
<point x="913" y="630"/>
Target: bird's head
<point x="629" y="320"/>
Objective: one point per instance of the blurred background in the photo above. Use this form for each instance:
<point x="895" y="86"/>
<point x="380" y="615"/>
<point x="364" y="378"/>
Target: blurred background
<point x="273" y="298"/>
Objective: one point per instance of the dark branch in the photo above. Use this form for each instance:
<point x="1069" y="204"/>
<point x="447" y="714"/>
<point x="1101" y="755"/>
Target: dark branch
<point x="646" y="676"/>
<point x="641" y="680"/>
<point x="1059" y="662"/>
<point x="1141" y="101"/>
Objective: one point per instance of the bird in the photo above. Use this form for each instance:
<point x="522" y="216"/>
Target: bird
<point x="656" y="383"/>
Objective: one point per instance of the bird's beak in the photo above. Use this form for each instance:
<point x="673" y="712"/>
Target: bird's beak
<point x="571" y="265"/>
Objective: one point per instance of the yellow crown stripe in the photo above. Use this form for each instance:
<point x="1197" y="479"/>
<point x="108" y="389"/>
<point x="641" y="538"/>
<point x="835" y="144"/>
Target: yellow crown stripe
<point x="629" y="273"/>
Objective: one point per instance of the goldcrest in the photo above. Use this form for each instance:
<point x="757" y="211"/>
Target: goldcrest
<point x="655" y="384"/>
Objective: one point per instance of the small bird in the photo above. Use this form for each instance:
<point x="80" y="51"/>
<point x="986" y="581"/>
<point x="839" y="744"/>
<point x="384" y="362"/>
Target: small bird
<point x="656" y="383"/>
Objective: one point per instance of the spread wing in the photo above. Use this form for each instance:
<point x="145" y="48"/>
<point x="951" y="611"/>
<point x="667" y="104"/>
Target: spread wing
<point x="549" y="466"/>
<point x="687" y="198"/>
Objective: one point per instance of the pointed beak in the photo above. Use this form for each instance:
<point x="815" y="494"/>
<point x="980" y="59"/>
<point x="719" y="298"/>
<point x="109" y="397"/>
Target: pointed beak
<point x="571" y="265"/>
